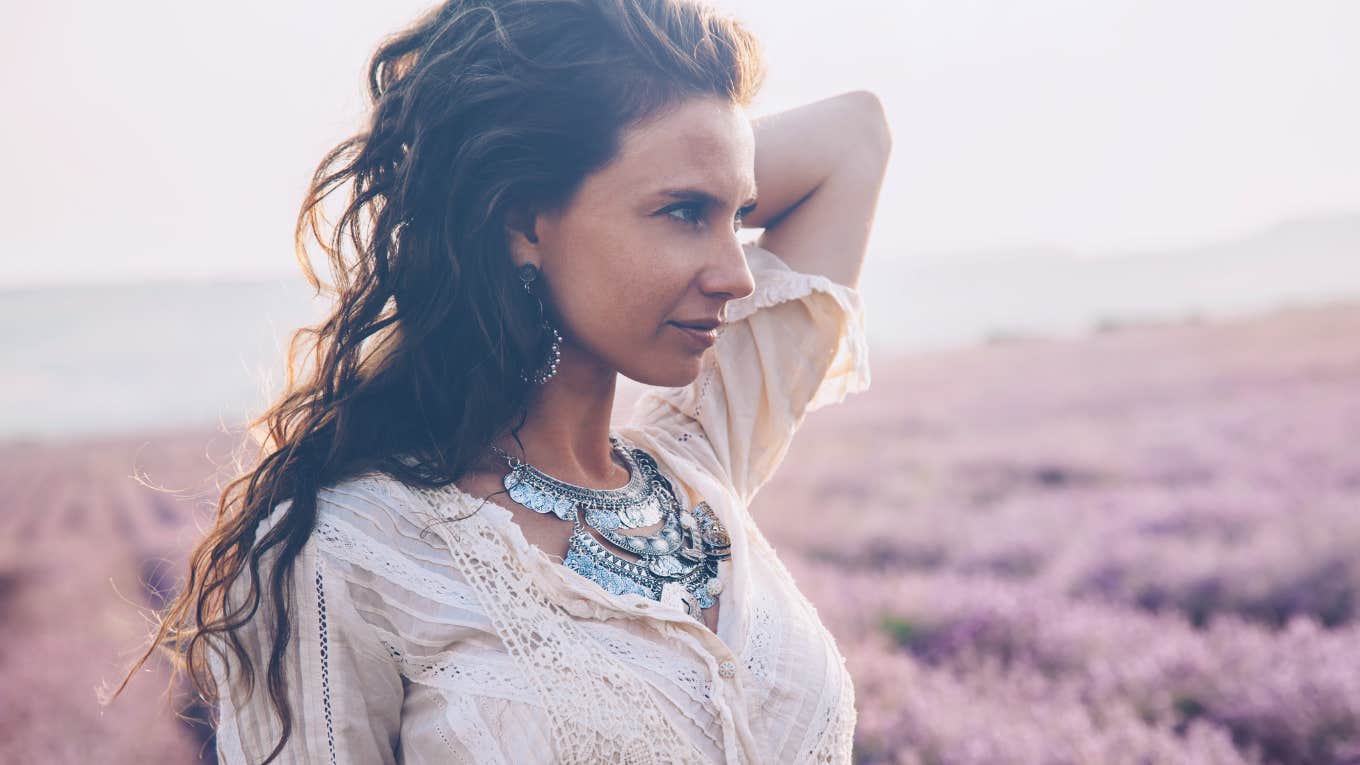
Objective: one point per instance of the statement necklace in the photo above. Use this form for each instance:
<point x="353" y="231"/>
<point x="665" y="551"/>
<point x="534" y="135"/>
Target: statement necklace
<point x="678" y="562"/>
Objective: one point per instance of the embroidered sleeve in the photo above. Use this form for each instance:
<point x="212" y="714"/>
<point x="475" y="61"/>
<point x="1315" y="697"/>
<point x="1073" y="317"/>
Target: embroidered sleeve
<point x="794" y="345"/>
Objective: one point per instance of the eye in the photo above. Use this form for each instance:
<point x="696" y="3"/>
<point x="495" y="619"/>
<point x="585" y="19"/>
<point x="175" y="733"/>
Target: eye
<point x="743" y="212"/>
<point x="693" y="209"/>
<point x="697" y="212"/>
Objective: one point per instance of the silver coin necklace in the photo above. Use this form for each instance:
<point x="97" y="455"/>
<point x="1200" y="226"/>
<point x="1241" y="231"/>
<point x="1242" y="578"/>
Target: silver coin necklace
<point x="678" y="562"/>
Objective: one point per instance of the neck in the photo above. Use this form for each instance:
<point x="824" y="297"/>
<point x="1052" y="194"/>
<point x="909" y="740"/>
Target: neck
<point x="566" y="428"/>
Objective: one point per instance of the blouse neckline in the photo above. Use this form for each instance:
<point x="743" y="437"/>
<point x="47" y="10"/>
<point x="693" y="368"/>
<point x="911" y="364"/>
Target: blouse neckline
<point x="631" y="604"/>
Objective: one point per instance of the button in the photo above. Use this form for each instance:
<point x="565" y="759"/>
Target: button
<point x="727" y="668"/>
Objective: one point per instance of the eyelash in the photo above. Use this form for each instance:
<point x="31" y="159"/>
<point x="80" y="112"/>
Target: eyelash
<point x="741" y="214"/>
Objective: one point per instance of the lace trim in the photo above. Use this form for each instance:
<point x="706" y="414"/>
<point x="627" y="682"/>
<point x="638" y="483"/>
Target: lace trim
<point x="764" y="637"/>
<point x="356" y="548"/>
<point x="847" y="717"/>
<point x="467" y="726"/>
<point x="709" y="368"/>
<point x="325" y="653"/>
<point x="689" y="677"/>
<point x="465" y="674"/>
<point x="819" y="738"/>
<point x="599" y="710"/>
<point x="836" y="737"/>
<point x="380" y="485"/>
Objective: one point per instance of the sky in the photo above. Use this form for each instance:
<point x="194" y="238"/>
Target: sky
<point x="160" y="139"/>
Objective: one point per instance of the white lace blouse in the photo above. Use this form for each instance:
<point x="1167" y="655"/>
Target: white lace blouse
<point x="419" y="638"/>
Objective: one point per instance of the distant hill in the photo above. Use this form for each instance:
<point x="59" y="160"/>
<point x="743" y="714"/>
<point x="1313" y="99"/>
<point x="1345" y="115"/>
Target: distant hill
<point x="916" y="303"/>
<point x="95" y="358"/>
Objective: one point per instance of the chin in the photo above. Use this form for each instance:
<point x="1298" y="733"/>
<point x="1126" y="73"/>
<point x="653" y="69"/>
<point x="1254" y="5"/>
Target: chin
<point x="675" y="374"/>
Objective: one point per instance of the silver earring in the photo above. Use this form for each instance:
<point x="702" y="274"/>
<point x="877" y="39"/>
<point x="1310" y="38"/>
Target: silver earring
<point x="527" y="274"/>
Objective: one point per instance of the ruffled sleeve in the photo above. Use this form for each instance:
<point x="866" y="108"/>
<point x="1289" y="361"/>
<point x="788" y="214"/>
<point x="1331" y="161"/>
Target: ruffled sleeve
<point x="794" y="345"/>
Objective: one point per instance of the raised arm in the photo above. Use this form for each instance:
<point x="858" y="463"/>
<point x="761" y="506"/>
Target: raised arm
<point x="798" y="342"/>
<point x="819" y="169"/>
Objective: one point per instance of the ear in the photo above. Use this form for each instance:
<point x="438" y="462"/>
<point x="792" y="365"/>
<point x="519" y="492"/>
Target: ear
<point x="521" y="239"/>
<point x="519" y="224"/>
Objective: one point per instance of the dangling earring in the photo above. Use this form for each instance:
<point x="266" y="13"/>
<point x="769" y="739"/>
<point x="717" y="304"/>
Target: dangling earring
<point x="527" y="274"/>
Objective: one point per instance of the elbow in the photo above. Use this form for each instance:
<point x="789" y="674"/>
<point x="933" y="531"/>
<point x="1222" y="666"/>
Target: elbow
<point x="875" y="134"/>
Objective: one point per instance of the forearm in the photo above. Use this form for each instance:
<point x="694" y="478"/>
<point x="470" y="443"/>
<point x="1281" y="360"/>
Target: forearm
<point x="800" y="148"/>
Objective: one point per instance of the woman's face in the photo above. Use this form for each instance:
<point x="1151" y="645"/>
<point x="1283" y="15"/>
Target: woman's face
<point x="640" y="247"/>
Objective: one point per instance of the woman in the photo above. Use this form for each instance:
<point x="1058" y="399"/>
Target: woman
<point x="447" y="552"/>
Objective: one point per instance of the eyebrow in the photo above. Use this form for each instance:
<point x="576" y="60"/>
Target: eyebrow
<point x="700" y="195"/>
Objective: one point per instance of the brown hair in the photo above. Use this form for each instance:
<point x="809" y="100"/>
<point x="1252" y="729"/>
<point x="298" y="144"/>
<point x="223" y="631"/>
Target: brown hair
<point x="479" y="109"/>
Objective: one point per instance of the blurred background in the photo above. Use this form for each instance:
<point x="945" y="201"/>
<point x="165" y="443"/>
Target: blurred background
<point x="1100" y="505"/>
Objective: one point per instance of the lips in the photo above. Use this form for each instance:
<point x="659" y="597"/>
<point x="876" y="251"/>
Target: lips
<point x="703" y="325"/>
<point x="701" y="338"/>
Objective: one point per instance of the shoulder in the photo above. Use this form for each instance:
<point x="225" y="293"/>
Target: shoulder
<point x="369" y="530"/>
<point x="372" y="504"/>
<point x="372" y="501"/>
<point x="373" y="533"/>
<point x="375" y="522"/>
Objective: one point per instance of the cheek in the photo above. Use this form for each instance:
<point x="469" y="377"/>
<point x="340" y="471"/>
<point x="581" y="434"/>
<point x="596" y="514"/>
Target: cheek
<point x="634" y="314"/>
<point x="619" y="292"/>
<point x="620" y="310"/>
<point x="637" y="293"/>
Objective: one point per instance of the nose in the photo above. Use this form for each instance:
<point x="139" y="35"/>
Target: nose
<point x="727" y="273"/>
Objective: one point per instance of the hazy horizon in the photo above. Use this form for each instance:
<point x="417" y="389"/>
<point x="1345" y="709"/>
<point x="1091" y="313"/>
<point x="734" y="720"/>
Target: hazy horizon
<point x="221" y="354"/>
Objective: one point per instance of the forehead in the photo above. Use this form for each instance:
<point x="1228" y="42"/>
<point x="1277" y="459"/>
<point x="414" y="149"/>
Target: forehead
<point x="703" y="143"/>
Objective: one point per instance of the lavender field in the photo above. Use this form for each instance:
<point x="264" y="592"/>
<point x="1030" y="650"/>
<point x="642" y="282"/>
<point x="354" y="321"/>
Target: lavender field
<point x="1135" y="547"/>
<point x="1141" y="547"/>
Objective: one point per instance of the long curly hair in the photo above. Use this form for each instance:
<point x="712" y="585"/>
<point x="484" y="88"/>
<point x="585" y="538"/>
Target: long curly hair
<point x="479" y="109"/>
